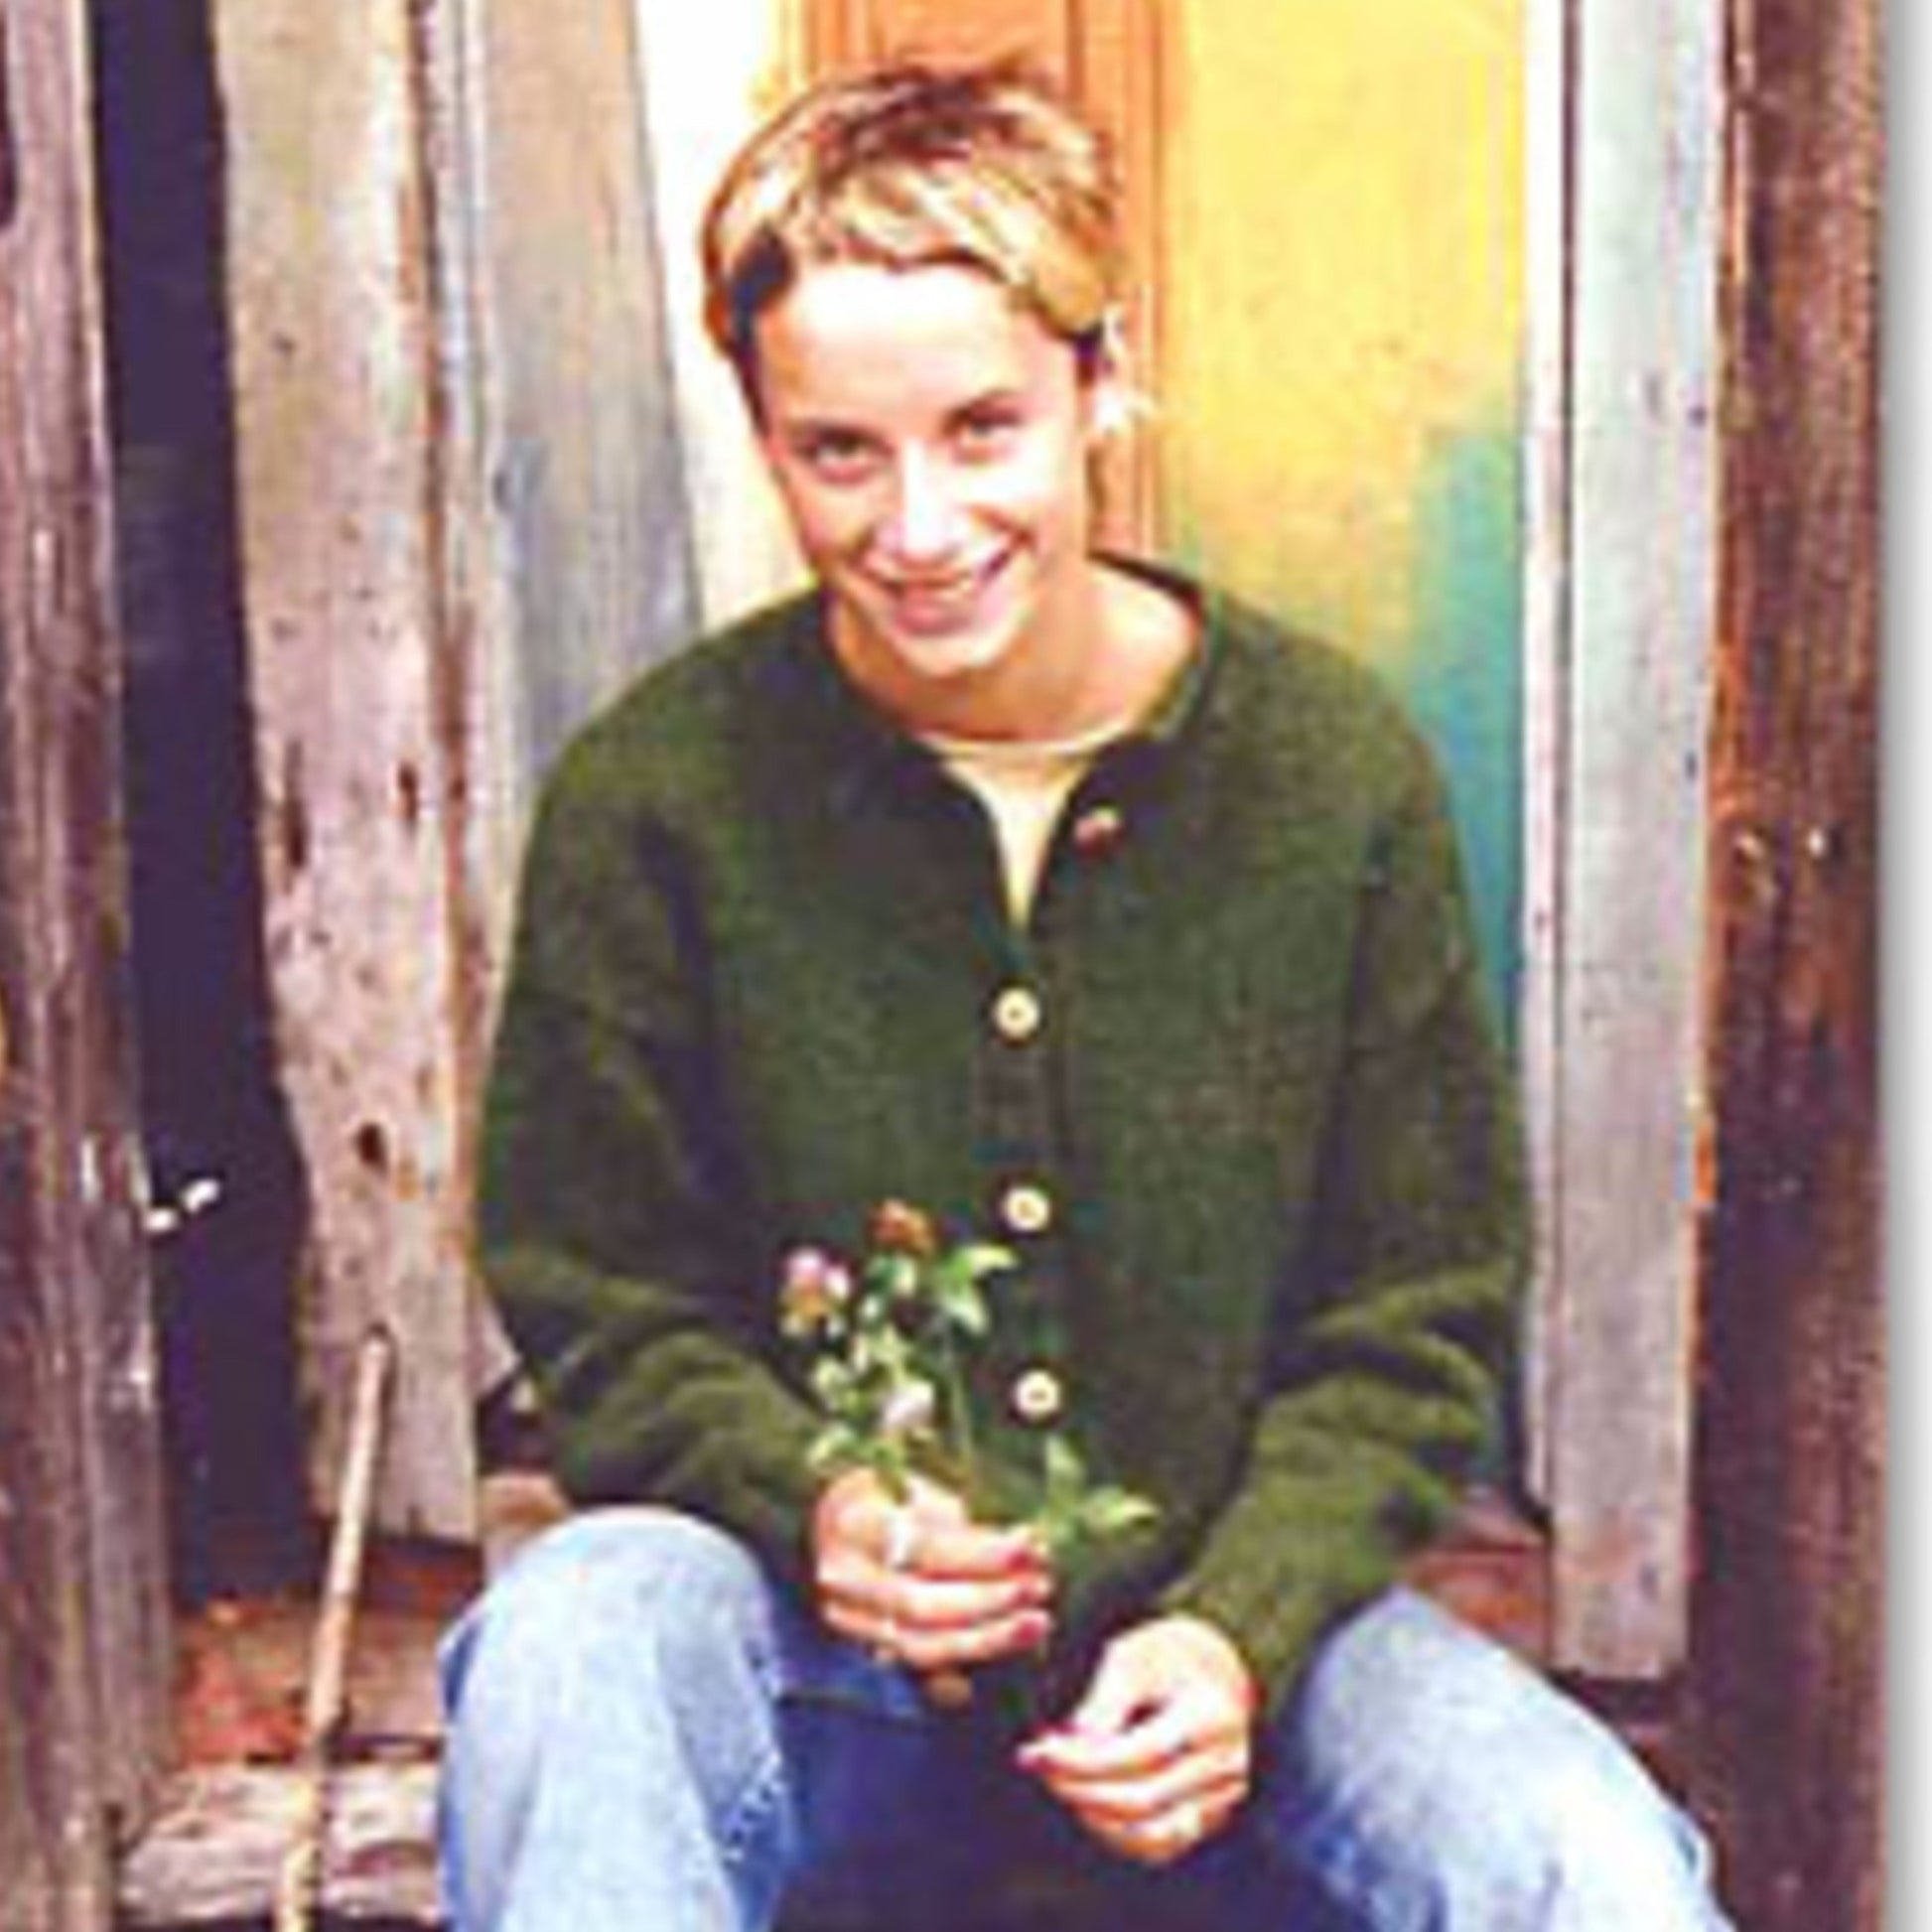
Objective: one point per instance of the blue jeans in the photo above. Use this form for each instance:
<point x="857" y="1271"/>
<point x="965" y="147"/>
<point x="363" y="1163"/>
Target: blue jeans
<point x="647" y="1735"/>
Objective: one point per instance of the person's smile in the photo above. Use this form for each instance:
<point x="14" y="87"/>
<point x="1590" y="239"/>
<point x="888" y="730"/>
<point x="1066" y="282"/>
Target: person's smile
<point x="934" y="604"/>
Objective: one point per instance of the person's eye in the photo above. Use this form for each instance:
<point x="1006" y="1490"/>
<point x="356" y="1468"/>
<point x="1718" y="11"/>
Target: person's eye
<point x="988" y="429"/>
<point x="835" y="455"/>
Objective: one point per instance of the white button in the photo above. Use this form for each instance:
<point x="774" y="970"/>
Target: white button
<point x="1027" y="1209"/>
<point x="1017" y="1014"/>
<point x="1037" y="1397"/>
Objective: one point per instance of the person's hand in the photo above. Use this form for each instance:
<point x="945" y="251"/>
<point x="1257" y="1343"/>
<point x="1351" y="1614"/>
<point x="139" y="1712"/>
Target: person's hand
<point x="920" y="1583"/>
<point x="1159" y="1754"/>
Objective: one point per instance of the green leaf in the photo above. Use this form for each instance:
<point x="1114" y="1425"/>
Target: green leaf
<point x="835" y="1448"/>
<point x="831" y="1382"/>
<point x="1067" y="1473"/>
<point x="1108" y="1510"/>
<point x="962" y="1305"/>
<point x="892" y="1278"/>
<point x="976" y="1260"/>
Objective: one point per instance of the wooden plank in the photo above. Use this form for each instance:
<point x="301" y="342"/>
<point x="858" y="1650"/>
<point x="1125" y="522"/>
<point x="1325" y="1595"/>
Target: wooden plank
<point x="1548" y="217"/>
<point x="705" y="84"/>
<point x="71" y="767"/>
<point x="214" y="1854"/>
<point x="1119" y="55"/>
<point x="1788" y="1661"/>
<point x="83" y="1630"/>
<point x="557" y="415"/>
<point x="571" y="363"/>
<point x="1619" y="902"/>
<point x="860" y="32"/>
<point x="341" y="391"/>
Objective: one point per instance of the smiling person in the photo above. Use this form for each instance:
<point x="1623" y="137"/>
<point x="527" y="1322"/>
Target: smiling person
<point x="1061" y="894"/>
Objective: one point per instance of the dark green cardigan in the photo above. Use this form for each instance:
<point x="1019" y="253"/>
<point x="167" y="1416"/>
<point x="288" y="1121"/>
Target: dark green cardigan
<point x="752" y="993"/>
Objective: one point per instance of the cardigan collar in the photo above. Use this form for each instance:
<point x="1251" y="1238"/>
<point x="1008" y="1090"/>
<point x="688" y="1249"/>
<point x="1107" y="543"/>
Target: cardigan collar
<point x="859" y="748"/>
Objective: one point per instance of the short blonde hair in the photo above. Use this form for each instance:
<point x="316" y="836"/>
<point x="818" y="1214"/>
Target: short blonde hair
<point x="910" y="165"/>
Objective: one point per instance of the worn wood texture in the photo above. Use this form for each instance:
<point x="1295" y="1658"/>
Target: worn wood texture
<point x="706" y="80"/>
<point x="212" y="1860"/>
<point x="570" y="360"/>
<point x="357" y="664"/>
<point x="1790" y="1604"/>
<point x="82" y="1627"/>
<point x="1620" y="715"/>
<point x="852" y="32"/>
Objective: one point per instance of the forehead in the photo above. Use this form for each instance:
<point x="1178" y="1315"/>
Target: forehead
<point x="859" y="338"/>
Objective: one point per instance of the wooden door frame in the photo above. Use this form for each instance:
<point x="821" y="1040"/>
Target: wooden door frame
<point x="1624" y="218"/>
<point x="1789" y="1606"/>
<point x="84" y="1626"/>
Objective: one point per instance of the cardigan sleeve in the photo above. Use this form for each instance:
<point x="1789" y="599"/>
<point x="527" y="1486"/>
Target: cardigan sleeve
<point x="1385" y="1385"/>
<point x="611" y="1227"/>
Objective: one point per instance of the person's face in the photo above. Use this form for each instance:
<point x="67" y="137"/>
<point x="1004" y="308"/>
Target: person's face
<point x="929" y="439"/>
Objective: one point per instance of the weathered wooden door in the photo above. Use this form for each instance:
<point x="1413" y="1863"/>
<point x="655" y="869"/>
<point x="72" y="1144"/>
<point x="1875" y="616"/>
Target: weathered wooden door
<point x="83" y="1672"/>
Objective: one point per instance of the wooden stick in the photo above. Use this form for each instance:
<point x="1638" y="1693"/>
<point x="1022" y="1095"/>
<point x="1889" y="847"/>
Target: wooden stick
<point x="300" y="1881"/>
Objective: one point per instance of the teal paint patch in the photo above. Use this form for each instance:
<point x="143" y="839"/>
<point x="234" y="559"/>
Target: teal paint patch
<point x="1462" y="678"/>
<point x="1462" y="672"/>
<point x="1459" y="666"/>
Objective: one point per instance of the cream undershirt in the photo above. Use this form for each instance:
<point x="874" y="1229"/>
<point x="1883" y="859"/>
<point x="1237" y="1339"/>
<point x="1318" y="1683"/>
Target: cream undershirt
<point x="1025" y="785"/>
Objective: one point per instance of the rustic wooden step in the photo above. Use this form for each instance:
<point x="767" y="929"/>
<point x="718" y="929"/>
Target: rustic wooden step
<point x="213" y="1856"/>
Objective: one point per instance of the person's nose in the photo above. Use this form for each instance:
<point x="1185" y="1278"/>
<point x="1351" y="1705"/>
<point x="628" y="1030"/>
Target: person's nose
<point x="922" y="523"/>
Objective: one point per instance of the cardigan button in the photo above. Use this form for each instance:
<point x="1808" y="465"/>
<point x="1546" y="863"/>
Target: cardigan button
<point x="1026" y="1208"/>
<point x="1097" y="828"/>
<point x="1018" y="1014"/>
<point x="1039" y="1396"/>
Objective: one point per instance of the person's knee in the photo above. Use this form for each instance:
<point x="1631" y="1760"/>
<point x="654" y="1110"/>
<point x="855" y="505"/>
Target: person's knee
<point x="1427" y="1765"/>
<point x="645" y="1588"/>
<point x="1568" y="1831"/>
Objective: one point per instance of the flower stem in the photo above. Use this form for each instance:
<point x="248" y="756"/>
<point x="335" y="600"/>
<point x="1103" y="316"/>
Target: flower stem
<point x="960" y="1413"/>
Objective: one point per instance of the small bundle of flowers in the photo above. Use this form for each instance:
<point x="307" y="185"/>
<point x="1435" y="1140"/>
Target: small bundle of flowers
<point x="888" y="1339"/>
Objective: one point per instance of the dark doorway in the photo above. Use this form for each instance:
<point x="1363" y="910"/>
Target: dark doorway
<point x="228" y="1207"/>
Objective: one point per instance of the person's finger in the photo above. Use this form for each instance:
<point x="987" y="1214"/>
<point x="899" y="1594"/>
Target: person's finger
<point x="1217" y="1778"/>
<point x="966" y="1644"/>
<point x="966" y="1548"/>
<point x="877" y="1628"/>
<point x="928" y="1530"/>
<point x="1179" y="1725"/>
<point x="1172" y="1835"/>
<point x="1126" y="1684"/>
<point x="941" y="1604"/>
<point x="861" y="1623"/>
<point x="1206" y="1777"/>
<point x="927" y="1604"/>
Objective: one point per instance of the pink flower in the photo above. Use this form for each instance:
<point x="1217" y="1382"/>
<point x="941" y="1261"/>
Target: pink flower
<point x="814" y="1289"/>
<point x="910" y="1409"/>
